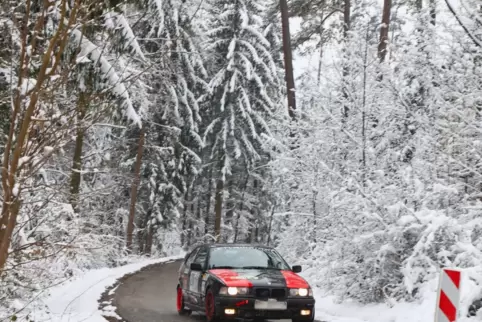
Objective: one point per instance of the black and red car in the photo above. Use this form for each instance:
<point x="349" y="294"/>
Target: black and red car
<point x="228" y="281"/>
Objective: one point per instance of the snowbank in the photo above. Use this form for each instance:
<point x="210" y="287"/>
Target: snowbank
<point x="328" y="309"/>
<point x="76" y="299"/>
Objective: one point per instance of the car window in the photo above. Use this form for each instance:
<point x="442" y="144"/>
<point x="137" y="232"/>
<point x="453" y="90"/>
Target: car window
<point x="201" y="257"/>
<point x="246" y="257"/>
<point x="190" y="258"/>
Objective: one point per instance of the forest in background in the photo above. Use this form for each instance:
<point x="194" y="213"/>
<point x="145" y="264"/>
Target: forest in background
<point x="141" y="128"/>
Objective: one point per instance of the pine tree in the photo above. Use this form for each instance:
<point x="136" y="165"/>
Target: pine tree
<point x="243" y="72"/>
<point x="177" y="81"/>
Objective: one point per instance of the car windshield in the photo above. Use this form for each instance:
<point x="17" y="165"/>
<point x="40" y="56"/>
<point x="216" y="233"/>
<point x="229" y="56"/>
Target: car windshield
<point x="246" y="257"/>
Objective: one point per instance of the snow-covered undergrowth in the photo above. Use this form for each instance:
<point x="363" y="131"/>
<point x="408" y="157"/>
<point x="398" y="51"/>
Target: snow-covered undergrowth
<point x="329" y="308"/>
<point x="391" y="275"/>
<point x="76" y="299"/>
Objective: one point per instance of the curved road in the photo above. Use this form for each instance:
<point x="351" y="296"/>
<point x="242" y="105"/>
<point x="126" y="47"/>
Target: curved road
<point x="149" y="296"/>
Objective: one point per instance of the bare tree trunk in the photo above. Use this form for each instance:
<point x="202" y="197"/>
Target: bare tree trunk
<point x="218" y="208"/>
<point x="271" y="222"/>
<point x="364" y="113"/>
<point x="252" y="230"/>
<point x="433" y="12"/>
<point x="255" y="216"/>
<point x="142" y="233"/>
<point x="382" y="46"/>
<point x="7" y="225"/>
<point x="346" y="18"/>
<point x="229" y="212"/>
<point x="208" y="202"/>
<point x="76" y="175"/>
<point x="315" y="216"/>
<point x="190" y="232"/>
<point x="197" y="231"/>
<point x="134" y="190"/>
<point x="236" y="228"/>
<point x="288" y="59"/>
<point x="149" y="239"/>
<point x="184" y="219"/>
<point x="346" y="71"/>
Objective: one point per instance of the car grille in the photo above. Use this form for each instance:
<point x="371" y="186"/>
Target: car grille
<point x="264" y="293"/>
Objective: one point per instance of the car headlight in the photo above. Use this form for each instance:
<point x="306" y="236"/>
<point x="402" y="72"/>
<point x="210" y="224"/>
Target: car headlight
<point x="301" y="292"/>
<point x="233" y="291"/>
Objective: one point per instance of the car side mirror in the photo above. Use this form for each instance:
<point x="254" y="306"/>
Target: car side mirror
<point x="196" y="267"/>
<point x="296" y="268"/>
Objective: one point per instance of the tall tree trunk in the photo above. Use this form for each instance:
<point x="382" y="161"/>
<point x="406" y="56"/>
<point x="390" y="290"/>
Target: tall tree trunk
<point x="142" y="233"/>
<point x="218" y="208"/>
<point x="252" y="229"/>
<point x="254" y="215"/>
<point x="208" y="202"/>
<point x="197" y="231"/>
<point x="288" y="59"/>
<point x="134" y="190"/>
<point x="433" y="12"/>
<point x="346" y="71"/>
<point x="271" y="222"/>
<point x="184" y="219"/>
<point x="382" y="46"/>
<point x="364" y="113"/>
<point x="149" y="239"/>
<point x="15" y="145"/>
<point x="315" y="216"/>
<point x="76" y="175"/>
<point x="346" y="18"/>
<point x="236" y="228"/>
<point x="7" y="225"/>
<point x="229" y="208"/>
<point x="190" y="232"/>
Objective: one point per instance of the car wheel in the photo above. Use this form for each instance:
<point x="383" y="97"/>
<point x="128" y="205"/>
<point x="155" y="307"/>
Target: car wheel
<point x="180" y="303"/>
<point x="210" y="305"/>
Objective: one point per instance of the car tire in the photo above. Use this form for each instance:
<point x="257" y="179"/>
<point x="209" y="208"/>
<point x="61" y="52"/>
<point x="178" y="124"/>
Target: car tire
<point x="210" y="307"/>
<point x="180" y="303"/>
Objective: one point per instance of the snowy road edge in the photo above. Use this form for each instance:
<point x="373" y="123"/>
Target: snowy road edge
<point x="107" y="308"/>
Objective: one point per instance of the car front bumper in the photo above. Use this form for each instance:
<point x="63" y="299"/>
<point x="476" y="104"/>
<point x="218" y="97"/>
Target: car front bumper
<point x="244" y="308"/>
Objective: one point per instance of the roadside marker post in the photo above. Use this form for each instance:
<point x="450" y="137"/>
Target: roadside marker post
<point x="448" y="295"/>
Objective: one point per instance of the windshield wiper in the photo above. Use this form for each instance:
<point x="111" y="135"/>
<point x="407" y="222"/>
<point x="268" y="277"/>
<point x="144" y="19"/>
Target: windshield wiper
<point x="260" y="267"/>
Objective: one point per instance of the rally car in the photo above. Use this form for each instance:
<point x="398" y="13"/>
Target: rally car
<point x="231" y="281"/>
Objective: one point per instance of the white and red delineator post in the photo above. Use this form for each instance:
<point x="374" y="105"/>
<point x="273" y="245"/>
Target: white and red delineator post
<point x="448" y="295"/>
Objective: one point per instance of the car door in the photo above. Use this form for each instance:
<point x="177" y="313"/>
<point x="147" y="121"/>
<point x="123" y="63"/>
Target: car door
<point x="195" y="277"/>
<point x="185" y="269"/>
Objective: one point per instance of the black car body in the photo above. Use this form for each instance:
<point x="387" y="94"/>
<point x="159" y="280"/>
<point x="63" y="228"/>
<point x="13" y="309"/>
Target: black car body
<point x="227" y="281"/>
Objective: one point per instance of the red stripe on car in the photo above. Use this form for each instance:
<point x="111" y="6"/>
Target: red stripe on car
<point x="293" y="280"/>
<point x="231" y="278"/>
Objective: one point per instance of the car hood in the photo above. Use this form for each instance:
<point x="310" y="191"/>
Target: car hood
<point x="259" y="278"/>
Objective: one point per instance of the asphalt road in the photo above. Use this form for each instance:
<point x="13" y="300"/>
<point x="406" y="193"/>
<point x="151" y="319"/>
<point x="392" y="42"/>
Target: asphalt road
<point x="150" y="296"/>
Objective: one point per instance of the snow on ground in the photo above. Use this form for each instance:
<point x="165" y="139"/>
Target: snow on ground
<point x="77" y="299"/>
<point x="327" y="309"/>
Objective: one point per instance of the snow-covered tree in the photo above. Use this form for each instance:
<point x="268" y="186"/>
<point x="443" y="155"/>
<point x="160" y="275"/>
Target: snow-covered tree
<point x="173" y="143"/>
<point x="243" y="72"/>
